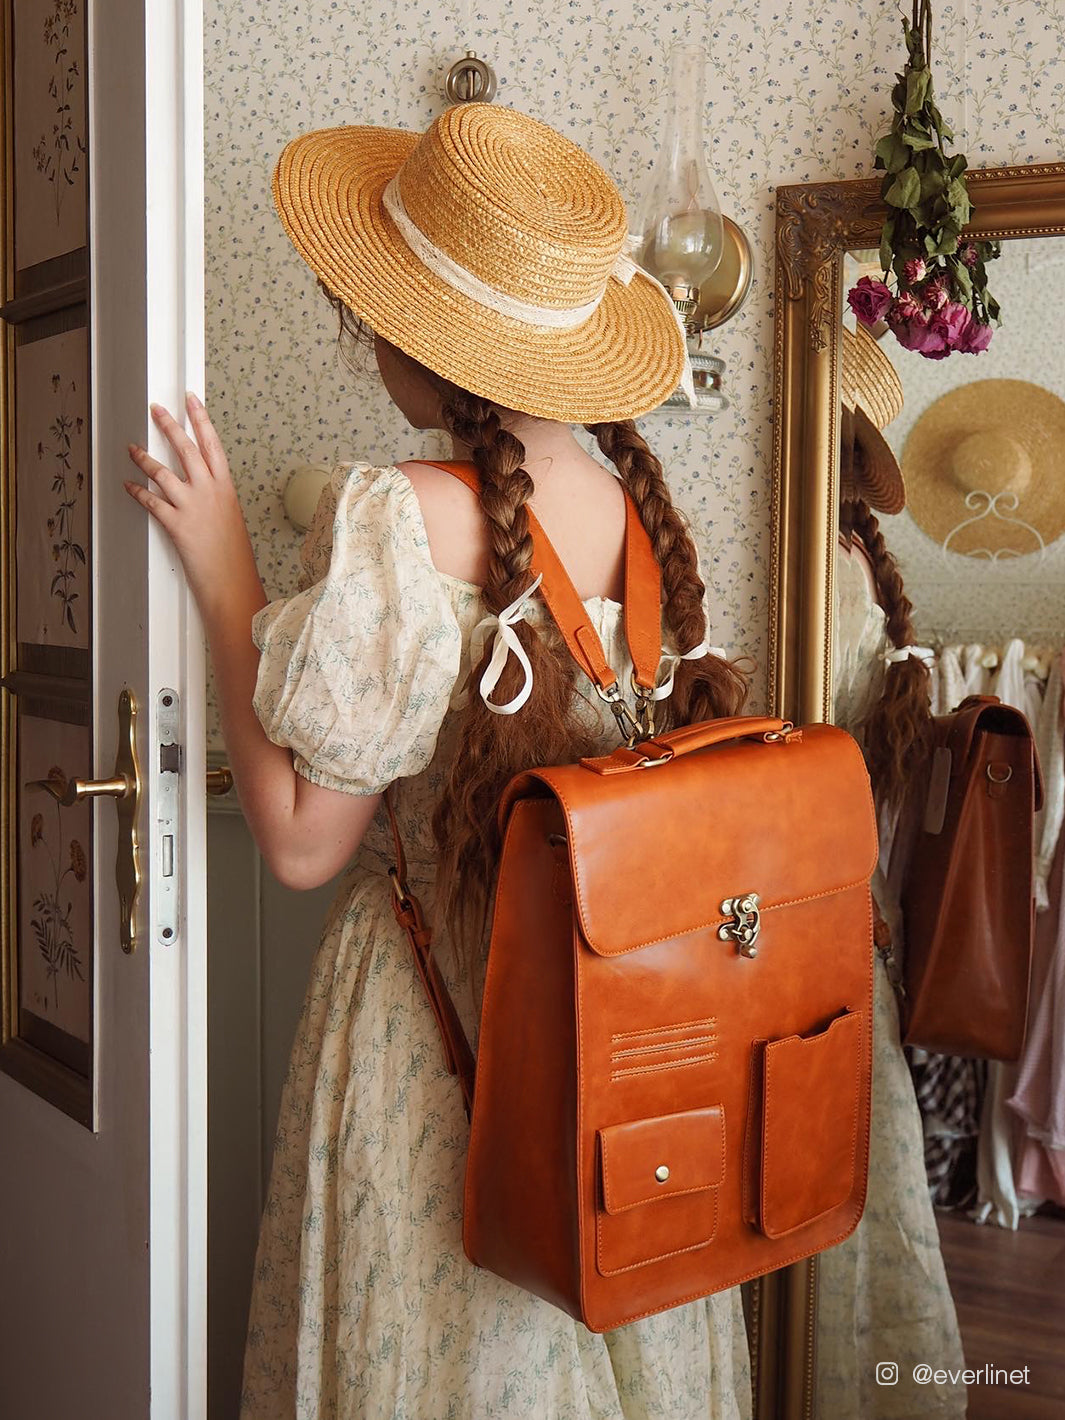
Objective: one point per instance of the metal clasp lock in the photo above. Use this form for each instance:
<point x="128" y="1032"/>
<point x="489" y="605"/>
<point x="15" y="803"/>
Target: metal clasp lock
<point x="746" y="923"/>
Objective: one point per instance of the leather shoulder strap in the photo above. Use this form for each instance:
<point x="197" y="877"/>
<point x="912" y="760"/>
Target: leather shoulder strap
<point x="458" y="1055"/>
<point x="643" y="598"/>
<point x="643" y="594"/>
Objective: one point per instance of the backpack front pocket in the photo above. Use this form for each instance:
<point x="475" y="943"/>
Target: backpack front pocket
<point x="804" y="1105"/>
<point x="658" y="1184"/>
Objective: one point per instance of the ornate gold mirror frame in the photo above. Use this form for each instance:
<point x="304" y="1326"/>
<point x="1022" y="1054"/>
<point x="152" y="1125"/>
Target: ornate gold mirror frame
<point x="816" y="224"/>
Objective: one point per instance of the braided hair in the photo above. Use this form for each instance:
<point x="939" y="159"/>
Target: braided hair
<point x="549" y="729"/>
<point x="897" y="728"/>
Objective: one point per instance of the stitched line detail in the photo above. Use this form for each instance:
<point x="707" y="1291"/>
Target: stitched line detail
<point x="660" y="1193"/>
<point x="660" y="1257"/>
<point x="704" y="1059"/>
<point x="667" y="1045"/>
<point x="663" y="1030"/>
<point x="654" y="1198"/>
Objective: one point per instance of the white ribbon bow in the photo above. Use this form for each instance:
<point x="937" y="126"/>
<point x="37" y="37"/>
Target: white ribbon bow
<point x="506" y="640"/>
<point x="901" y="653"/>
<point x="673" y="660"/>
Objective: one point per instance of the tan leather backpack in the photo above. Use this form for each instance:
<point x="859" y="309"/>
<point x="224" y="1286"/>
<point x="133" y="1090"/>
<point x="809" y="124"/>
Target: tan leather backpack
<point x="674" y="1061"/>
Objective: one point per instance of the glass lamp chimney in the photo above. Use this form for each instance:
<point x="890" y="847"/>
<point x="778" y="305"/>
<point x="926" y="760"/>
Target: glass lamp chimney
<point x="680" y="227"/>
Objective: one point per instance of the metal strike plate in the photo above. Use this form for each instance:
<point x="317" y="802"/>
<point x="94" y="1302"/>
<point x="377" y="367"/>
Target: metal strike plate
<point x="168" y="789"/>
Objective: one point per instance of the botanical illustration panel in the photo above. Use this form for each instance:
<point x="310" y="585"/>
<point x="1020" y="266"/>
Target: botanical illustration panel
<point x="52" y="490"/>
<point x="54" y="886"/>
<point x="49" y="129"/>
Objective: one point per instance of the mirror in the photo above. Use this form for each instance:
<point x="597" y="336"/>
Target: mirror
<point x="966" y="585"/>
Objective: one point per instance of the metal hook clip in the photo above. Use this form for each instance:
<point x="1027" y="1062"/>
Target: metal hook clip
<point x="627" y="724"/>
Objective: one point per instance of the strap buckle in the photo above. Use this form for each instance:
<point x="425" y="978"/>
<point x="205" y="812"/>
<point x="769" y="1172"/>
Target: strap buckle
<point x="645" y="707"/>
<point x="627" y="723"/>
<point x="399" y="889"/>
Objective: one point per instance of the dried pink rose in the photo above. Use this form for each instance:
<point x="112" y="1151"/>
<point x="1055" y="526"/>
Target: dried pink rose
<point x="936" y="293"/>
<point x="968" y="254"/>
<point x="915" y="270"/>
<point x="869" y="300"/>
<point x="951" y="320"/>
<point x="916" y="333"/>
<point x="906" y="308"/>
<point x="975" y="337"/>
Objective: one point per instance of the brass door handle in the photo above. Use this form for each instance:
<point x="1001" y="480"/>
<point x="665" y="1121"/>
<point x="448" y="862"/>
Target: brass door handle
<point x="124" y="787"/>
<point x="220" y="780"/>
<point x="78" y="789"/>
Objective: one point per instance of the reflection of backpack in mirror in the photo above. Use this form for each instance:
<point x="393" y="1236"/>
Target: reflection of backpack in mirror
<point x="967" y="895"/>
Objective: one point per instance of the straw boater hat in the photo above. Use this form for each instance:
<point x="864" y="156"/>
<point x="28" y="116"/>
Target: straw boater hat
<point x="871" y="395"/>
<point x="994" y="437"/>
<point x="494" y="251"/>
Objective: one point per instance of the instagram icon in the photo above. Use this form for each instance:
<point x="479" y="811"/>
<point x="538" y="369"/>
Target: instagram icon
<point x="887" y="1373"/>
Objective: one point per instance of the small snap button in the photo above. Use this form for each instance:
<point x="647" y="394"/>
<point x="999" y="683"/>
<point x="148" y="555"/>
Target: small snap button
<point x="662" y="1172"/>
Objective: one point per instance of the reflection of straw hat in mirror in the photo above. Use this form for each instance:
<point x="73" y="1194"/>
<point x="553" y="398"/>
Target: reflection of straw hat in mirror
<point x="871" y="396"/>
<point x="1004" y="439"/>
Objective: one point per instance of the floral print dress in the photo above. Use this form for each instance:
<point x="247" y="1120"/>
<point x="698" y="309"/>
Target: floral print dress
<point x="364" y="1304"/>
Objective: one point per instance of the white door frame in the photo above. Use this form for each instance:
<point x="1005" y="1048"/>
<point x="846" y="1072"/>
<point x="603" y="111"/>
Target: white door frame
<point x="103" y="1231"/>
<point x="178" y="999"/>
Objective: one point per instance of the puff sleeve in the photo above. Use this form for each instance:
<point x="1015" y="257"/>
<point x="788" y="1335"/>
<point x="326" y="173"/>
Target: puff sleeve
<point x="356" y="670"/>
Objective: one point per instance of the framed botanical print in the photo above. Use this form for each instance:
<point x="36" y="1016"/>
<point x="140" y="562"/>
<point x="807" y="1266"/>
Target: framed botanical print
<point x="48" y="138"/>
<point x="46" y="887"/>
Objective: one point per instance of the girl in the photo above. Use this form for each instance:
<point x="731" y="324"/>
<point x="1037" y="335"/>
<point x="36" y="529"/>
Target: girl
<point x="486" y="258"/>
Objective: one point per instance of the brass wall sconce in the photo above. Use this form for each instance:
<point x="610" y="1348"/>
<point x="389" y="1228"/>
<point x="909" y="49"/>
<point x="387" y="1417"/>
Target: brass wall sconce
<point x="702" y="257"/>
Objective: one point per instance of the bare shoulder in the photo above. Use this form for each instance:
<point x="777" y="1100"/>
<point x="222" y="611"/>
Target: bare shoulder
<point x="454" y="523"/>
<point x="432" y="484"/>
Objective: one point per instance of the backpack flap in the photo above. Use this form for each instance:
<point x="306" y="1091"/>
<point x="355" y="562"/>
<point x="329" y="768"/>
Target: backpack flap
<point x="657" y="852"/>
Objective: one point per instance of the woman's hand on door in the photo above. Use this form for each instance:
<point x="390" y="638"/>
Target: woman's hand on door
<point x="200" y="511"/>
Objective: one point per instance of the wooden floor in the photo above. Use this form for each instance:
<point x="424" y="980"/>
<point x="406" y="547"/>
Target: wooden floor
<point x="1010" y="1293"/>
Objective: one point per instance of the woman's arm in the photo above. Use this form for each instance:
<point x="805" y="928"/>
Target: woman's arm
<point x="305" y="832"/>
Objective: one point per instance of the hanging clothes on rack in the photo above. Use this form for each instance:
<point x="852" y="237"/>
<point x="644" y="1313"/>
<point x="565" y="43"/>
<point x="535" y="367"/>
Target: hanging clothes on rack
<point x="1050" y="746"/>
<point x="1038" y="1098"/>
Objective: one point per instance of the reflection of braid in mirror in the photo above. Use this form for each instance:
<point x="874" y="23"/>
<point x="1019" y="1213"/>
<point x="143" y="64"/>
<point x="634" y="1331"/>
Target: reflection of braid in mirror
<point x="895" y="727"/>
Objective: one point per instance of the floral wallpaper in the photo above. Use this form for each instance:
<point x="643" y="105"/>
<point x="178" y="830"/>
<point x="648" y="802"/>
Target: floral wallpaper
<point x="975" y="599"/>
<point x="796" y="92"/>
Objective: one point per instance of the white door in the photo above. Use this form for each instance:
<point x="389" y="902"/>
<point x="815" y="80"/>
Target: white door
<point x="103" y="1222"/>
